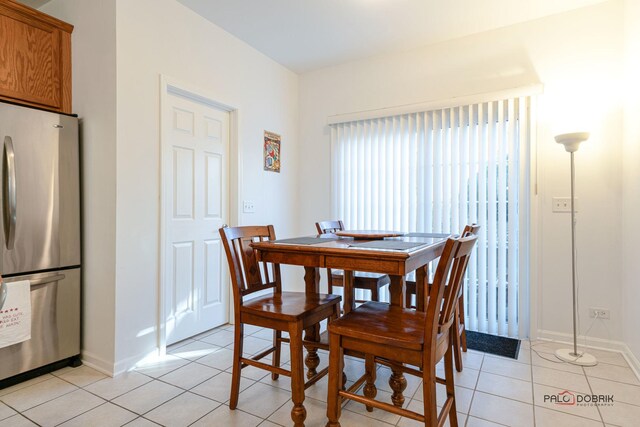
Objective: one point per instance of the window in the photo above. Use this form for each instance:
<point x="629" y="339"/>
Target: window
<point x="437" y="171"/>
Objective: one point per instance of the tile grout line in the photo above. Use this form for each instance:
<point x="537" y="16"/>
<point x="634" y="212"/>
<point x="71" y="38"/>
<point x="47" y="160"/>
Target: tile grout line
<point x="254" y="381"/>
<point x="475" y="390"/>
<point x="533" y="392"/>
<point x="276" y="410"/>
<point x="484" y="356"/>
<point x="221" y="404"/>
<point x="569" y="414"/>
<point x="42" y="403"/>
<point x="626" y="364"/>
<point x="135" y="388"/>
<point x="554" y="410"/>
<point x="592" y="392"/>
<point x="76" y="416"/>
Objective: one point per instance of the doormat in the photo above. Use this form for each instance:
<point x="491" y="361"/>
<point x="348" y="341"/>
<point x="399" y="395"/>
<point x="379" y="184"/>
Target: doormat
<point x="493" y="344"/>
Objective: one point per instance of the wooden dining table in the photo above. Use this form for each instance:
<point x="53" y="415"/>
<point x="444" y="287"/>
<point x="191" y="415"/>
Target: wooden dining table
<point x="395" y="256"/>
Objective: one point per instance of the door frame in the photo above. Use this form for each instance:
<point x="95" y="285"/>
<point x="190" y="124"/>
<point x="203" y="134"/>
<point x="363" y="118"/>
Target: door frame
<point x="169" y="85"/>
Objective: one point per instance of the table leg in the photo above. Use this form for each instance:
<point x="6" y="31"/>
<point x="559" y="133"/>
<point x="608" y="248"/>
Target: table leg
<point x="348" y="300"/>
<point x="370" y="389"/>
<point x="397" y="381"/>
<point x="312" y="286"/>
<point x="422" y="283"/>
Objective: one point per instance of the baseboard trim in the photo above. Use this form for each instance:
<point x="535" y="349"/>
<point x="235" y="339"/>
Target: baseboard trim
<point x="97" y="363"/>
<point x="595" y="343"/>
<point x="632" y="360"/>
<point x="129" y="363"/>
<point x="117" y="368"/>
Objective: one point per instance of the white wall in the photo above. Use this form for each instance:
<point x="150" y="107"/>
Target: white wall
<point x="631" y="205"/>
<point x="116" y="93"/>
<point x="572" y="54"/>
<point x="578" y="58"/>
<point x="163" y="37"/>
<point x="94" y="100"/>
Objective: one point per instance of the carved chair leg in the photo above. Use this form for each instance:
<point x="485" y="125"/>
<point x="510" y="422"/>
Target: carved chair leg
<point x="336" y="367"/>
<point x="298" y="413"/>
<point x="370" y="390"/>
<point x="312" y="286"/>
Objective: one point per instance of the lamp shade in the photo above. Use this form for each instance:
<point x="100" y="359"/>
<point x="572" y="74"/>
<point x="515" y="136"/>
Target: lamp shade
<point x="571" y="141"/>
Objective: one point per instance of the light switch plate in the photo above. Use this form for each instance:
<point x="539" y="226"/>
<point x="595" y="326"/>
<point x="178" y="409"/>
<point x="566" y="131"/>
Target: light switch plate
<point x="563" y="204"/>
<point x="601" y="313"/>
<point x="248" y="206"/>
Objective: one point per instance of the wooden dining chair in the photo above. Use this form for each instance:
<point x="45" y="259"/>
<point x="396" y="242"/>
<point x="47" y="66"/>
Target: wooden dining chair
<point x="398" y="336"/>
<point x="281" y="311"/>
<point x="373" y="282"/>
<point x="460" y="343"/>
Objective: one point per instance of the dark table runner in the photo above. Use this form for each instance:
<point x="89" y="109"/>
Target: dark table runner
<point x="306" y="240"/>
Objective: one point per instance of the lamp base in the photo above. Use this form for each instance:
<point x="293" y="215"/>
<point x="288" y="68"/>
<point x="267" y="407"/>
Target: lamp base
<point x="580" y="359"/>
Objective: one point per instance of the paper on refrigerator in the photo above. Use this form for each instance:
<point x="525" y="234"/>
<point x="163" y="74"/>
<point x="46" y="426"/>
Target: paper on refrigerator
<point x="15" y="314"/>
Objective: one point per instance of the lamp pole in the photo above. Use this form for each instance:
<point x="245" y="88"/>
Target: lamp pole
<point x="573" y="257"/>
<point x="571" y="142"/>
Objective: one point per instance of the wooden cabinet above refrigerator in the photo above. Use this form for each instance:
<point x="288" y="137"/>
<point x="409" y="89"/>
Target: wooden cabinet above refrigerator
<point x="35" y="58"/>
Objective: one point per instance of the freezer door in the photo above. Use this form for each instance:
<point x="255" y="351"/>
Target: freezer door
<point x="40" y="190"/>
<point x="55" y="323"/>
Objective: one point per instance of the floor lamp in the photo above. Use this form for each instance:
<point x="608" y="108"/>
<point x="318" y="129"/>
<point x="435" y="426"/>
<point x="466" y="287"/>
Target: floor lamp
<point x="571" y="142"/>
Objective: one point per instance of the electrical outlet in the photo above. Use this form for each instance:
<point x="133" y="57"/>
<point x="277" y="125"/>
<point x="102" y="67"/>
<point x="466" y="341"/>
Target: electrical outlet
<point x="563" y="204"/>
<point x="600" y="313"/>
<point x="248" y="207"/>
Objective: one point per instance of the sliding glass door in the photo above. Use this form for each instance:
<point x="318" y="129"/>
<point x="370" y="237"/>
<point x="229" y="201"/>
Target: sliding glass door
<point x="436" y="171"/>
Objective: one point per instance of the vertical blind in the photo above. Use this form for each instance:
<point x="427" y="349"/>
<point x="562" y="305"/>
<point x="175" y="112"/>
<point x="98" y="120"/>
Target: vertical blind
<point x="437" y="171"/>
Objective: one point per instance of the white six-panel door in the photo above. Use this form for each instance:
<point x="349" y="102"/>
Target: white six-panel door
<point x="195" y="205"/>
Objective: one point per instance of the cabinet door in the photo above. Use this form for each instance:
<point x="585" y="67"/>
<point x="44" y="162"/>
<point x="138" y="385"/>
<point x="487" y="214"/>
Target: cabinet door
<point x="32" y="61"/>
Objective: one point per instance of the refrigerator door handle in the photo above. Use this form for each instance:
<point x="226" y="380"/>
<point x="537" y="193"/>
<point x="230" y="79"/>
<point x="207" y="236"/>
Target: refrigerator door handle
<point x="9" y="183"/>
<point x="49" y="279"/>
<point x="3" y="294"/>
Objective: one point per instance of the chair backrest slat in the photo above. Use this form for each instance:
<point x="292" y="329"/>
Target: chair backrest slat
<point x="247" y="275"/>
<point x="329" y="227"/>
<point x="251" y="267"/>
<point x="471" y="229"/>
<point x="443" y="296"/>
<point x="456" y="277"/>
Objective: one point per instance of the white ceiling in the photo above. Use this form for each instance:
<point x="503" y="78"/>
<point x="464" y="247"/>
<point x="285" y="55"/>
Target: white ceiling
<point x="304" y="35"/>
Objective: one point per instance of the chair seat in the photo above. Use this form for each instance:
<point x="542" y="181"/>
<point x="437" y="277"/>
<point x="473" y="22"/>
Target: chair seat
<point x="384" y="324"/>
<point x="290" y="305"/>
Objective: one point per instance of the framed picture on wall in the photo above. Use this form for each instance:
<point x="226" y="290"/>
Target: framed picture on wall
<point x="271" y="151"/>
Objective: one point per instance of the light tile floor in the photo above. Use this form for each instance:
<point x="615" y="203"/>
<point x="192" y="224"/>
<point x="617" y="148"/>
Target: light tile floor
<point x="190" y="387"/>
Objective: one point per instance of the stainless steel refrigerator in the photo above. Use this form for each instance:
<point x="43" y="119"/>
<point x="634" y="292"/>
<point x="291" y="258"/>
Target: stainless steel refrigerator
<point x="40" y="231"/>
